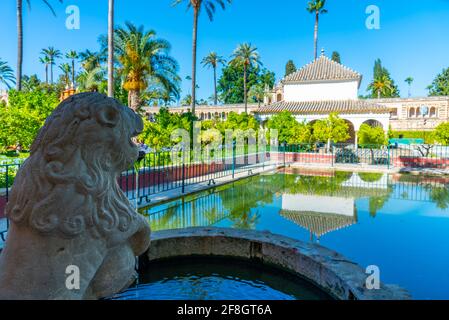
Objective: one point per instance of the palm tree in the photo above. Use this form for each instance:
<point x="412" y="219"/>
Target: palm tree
<point x="144" y="59"/>
<point x="91" y="80"/>
<point x="212" y="60"/>
<point x="409" y="81"/>
<point x="52" y="54"/>
<point x="197" y="5"/>
<point x="258" y="93"/>
<point x="46" y="62"/>
<point x="72" y="55"/>
<point x="6" y="74"/>
<point x="91" y="60"/>
<point x="316" y="7"/>
<point x="247" y="56"/>
<point x="66" y="70"/>
<point x="111" y="48"/>
<point x="19" y="12"/>
<point x="382" y="85"/>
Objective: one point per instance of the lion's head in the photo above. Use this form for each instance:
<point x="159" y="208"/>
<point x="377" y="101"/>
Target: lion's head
<point x="66" y="206"/>
<point x="69" y="182"/>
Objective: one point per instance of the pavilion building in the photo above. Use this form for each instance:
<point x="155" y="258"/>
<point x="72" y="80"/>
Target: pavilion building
<point x="324" y="86"/>
<point x="320" y="88"/>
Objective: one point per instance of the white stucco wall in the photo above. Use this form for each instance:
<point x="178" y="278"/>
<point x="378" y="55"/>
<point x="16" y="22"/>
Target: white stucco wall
<point x="336" y="90"/>
<point x="319" y="204"/>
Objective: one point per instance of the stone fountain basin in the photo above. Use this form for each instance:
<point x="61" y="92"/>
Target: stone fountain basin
<point x="327" y="269"/>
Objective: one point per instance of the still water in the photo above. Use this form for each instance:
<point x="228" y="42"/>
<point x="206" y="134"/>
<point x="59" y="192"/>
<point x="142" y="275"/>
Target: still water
<point x="218" y="279"/>
<point x="399" y="223"/>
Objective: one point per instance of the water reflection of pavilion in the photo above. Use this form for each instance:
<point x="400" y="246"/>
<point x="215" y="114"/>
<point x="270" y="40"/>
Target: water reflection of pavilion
<point x="199" y="211"/>
<point x="319" y="214"/>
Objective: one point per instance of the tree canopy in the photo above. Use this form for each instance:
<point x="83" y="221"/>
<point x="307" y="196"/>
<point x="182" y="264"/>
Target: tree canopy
<point x="230" y="84"/>
<point x="290" y="68"/>
<point x="371" y="135"/>
<point x="289" y="129"/>
<point x="382" y="85"/>
<point x="336" y="57"/>
<point x="440" y="85"/>
<point x="24" y="115"/>
<point x="333" y="129"/>
<point x="441" y="134"/>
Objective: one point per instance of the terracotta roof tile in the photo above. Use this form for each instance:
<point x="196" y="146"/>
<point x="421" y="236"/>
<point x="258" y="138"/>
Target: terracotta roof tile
<point x="323" y="69"/>
<point x="324" y="107"/>
<point x="318" y="223"/>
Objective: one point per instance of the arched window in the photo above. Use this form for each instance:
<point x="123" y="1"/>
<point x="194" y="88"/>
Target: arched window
<point x="223" y="115"/>
<point x="202" y="116"/>
<point x="209" y="116"/>
<point x="433" y="112"/>
<point x="279" y="97"/>
<point x="418" y="112"/>
<point x="411" y="112"/>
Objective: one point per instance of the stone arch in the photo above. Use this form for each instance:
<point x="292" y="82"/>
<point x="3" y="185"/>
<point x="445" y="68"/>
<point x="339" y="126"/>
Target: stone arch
<point x="373" y="123"/>
<point x="411" y="113"/>
<point x="351" y="129"/>
<point x="418" y="112"/>
<point x="223" y="115"/>
<point x="279" y="97"/>
<point x="209" y="116"/>
<point x="433" y="112"/>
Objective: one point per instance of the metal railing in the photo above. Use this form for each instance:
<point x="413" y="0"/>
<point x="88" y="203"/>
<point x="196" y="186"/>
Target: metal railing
<point x="164" y="170"/>
<point x="7" y="176"/>
<point x="413" y="156"/>
<point x="173" y="169"/>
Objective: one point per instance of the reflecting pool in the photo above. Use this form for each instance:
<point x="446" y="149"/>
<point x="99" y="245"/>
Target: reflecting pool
<point x="399" y="223"/>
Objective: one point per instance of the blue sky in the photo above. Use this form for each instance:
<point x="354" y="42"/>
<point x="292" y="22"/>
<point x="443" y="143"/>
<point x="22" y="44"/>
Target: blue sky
<point x="412" y="40"/>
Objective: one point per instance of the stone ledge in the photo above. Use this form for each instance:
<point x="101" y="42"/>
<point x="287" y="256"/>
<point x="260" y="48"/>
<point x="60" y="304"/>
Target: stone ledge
<point x="329" y="270"/>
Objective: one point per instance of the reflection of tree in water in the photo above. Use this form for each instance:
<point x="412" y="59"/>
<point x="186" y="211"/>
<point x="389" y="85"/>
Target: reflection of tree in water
<point x="438" y="191"/>
<point x="376" y="204"/>
<point x="318" y="185"/>
<point x="244" y="195"/>
<point x="440" y="195"/>
<point x="370" y="176"/>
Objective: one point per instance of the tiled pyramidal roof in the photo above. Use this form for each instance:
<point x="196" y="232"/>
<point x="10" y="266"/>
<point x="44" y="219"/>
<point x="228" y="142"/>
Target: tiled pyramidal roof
<point x="318" y="223"/>
<point x="324" y="107"/>
<point x="323" y="69"/>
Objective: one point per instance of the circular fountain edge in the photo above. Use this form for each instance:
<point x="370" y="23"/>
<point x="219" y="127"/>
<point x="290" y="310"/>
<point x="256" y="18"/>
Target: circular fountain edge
<point x="327" y="269"/>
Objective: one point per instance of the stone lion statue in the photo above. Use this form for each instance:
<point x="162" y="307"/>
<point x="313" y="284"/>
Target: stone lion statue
<point x="68" y="215"/>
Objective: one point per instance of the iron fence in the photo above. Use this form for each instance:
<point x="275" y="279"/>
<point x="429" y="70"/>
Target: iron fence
<point x="171" y="169"/>
<point x="7" y="176"/>
<point x="164" y="170"/>
<point x="413" y="156"/>
<point x="174" y="169"/>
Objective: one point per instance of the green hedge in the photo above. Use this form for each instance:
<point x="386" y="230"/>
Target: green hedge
<point x="426" y="135"/>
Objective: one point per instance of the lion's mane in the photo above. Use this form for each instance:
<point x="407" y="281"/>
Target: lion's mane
<point x="69" y="183"/>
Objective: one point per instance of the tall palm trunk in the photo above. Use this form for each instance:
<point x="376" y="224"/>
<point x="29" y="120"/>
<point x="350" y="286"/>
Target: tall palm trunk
<point x="134" y="99"/>
<point x="73" y="73"/>
<point x="245" y="94"/>
<point x="51" y="71"/>
<point x="19" y="46"/>
<point x="111" y="49"/>
<point x="215" y="86"/>
<point x="194" y="47"/>
<point x="315" y="35"/>
<point x="378" y="93"/>
<point x="46" y="73"/>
